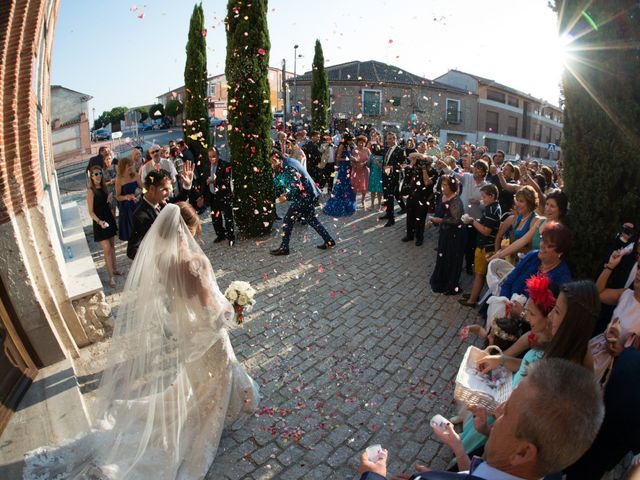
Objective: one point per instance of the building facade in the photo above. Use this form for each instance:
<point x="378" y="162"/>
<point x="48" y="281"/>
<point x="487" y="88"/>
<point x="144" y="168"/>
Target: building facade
<point x="508" y="119"/>
<point x="69" y="123"/>
<point x="217" y="94"/>
<point x="46" y="277"/>
<point x="380" y="95"/>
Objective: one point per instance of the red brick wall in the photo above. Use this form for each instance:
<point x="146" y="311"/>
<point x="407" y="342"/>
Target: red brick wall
<point x="21" y="184"/>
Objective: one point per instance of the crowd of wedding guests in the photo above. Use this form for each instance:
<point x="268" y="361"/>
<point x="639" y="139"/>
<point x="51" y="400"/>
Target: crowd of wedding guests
<point x="573" y="346"/>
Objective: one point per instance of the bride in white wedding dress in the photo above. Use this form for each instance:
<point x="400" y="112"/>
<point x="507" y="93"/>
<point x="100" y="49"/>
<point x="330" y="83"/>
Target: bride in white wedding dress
<point x="172" y="380"/>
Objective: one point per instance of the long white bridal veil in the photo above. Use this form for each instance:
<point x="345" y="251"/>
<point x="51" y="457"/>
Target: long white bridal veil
<point x="171" y="313"/>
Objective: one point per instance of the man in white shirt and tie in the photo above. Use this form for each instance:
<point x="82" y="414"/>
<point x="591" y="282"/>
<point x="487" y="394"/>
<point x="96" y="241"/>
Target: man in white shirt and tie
<point x="393" y="160"/>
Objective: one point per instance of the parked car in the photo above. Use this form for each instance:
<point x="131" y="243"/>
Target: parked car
<point x="217" y="122"/>
<point x="101" y="134"/>
<point x="143" y="127"/>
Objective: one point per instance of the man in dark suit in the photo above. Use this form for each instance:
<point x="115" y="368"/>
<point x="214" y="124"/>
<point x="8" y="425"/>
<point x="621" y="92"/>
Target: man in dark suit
<point x="158" y="189"/>
<point x="220" y="197"/>
<point x="391" y="169"/>
<point x="312" y="151"/>
<point x="293" y="183"/>
<point x="98" y="160"/>
<point x="547" y="423"/>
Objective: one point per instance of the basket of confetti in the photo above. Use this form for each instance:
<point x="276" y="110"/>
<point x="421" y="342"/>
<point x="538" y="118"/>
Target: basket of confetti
<point x="486" y="389"/>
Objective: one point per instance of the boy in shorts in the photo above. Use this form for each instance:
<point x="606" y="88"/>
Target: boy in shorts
<point x="487" y="227"/>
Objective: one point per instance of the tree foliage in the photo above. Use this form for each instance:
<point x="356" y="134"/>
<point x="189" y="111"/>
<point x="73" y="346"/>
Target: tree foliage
<point x="196" y="112"/>
<point x="601" y="86"/>
<point x="249" y="116"/>
<point x="107" y="117"/>
<point x="320" y="99"/>
<point x="144" y="113"/>
<point x="156" y="111"/>
<point x="173" y="108"/>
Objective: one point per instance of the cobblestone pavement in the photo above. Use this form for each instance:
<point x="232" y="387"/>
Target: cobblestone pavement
<point x="350" y="349"/>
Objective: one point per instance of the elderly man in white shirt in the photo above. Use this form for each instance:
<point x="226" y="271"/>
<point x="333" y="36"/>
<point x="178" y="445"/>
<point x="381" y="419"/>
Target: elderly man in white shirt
<point x="158" y="163"/>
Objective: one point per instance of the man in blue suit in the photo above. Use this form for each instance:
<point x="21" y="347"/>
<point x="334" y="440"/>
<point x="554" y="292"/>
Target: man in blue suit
<point x="547" y="423"/>
<point x="293" y="183"/>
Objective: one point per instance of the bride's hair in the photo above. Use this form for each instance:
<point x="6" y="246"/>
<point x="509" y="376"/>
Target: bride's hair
<point x="191" y="218"/>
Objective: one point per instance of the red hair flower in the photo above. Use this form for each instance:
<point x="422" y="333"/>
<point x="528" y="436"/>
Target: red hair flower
<point x="539" y="293"/>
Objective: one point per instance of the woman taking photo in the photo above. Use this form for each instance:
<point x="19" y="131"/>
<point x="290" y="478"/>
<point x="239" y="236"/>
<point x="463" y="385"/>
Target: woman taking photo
<point x="104" y="225"/>
<point x="520" y="223"/>
<point x="555" y="210"/>
<point x="446" y="273"/>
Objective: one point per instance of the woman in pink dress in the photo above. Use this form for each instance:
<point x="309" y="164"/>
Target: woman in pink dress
<point x="360" y="168"/>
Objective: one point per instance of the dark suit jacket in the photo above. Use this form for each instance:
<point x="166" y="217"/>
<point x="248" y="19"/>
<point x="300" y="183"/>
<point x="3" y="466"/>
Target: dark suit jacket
<point x="222" y="183"/>
<point x="96" y="161"/>
<point x="392" y="182"/>
<point x="143" y="218"/>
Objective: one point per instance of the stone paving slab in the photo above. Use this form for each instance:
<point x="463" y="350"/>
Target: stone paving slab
<point x="349" y="346"/>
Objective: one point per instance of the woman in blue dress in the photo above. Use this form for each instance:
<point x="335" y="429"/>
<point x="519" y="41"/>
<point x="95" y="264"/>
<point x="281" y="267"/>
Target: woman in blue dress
<point x="375" y="169"/>
<point x="342" y="202"/>
<point x="126" y="188"/>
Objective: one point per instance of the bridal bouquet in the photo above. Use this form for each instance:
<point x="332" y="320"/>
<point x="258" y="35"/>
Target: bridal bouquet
<point x="241" y="295"/>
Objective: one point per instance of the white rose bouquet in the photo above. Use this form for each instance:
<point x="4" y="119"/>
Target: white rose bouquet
<point x="241" y="295"/>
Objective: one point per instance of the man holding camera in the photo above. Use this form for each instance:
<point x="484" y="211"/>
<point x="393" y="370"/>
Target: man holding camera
<point x="418" y="186"/>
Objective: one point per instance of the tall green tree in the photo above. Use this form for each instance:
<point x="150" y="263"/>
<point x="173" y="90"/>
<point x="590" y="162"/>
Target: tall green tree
<point x="173" y="108"/>
<point x="144" y="113"/>
<point x="249" y="115"/>
<point x="319" y="92"/>
<point x="601" y="133"/>
<point x="196" y="112"/>
<point x="156" y="111"/>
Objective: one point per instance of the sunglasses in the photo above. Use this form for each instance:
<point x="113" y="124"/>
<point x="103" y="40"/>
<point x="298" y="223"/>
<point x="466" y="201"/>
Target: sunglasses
<point x="154" y="152"/>
<point x="96" y="174"/>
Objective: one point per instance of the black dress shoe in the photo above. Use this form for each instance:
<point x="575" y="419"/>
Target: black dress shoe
<point x="390" y="223"/>
<point x="278" y="218"/>
<point x="419" y="242"/>
<point x="327" y="245"/>
<point x="279" y="251"/>
<point x="219" y="239"/>
<point x="232" y="242"/>
<point x="384" y="217"/>
<point x="453" y="292"/>
<point x="407" y="239"/>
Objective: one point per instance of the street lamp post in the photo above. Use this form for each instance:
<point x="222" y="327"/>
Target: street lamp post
<point x="93" y="119"/>
<point x="295" y="86"/>
<point x="284" y="95"/>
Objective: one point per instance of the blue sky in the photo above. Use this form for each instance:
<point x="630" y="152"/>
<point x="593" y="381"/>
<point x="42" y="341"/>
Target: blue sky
<point x="110" y="50"/>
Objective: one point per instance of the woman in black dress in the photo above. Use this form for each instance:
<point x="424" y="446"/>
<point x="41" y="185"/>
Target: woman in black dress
<point x="446" y="273"/>
<point x="104" y="225"/>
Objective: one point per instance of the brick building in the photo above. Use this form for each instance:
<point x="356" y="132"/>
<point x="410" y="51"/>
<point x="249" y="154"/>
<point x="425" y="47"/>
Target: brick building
<point x="375" y="93"/>
<point x="69" y="122"/>
<point x="217" y="94"/>
<point x="508" y="119"/>
<point x="46" y="271"/>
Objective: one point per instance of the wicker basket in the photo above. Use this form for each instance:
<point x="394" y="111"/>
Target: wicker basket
<point x="471" y="388"/>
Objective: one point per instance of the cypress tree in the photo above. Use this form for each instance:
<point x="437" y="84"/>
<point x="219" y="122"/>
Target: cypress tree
<point x="196" y="112"/>
<point x="249" y="115"/>
<point x="319" y="92"/>
<point x="601" y="86"/>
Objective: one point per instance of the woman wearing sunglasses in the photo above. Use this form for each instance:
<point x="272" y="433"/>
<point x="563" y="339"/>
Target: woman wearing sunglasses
<point x="104" y="225"/>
